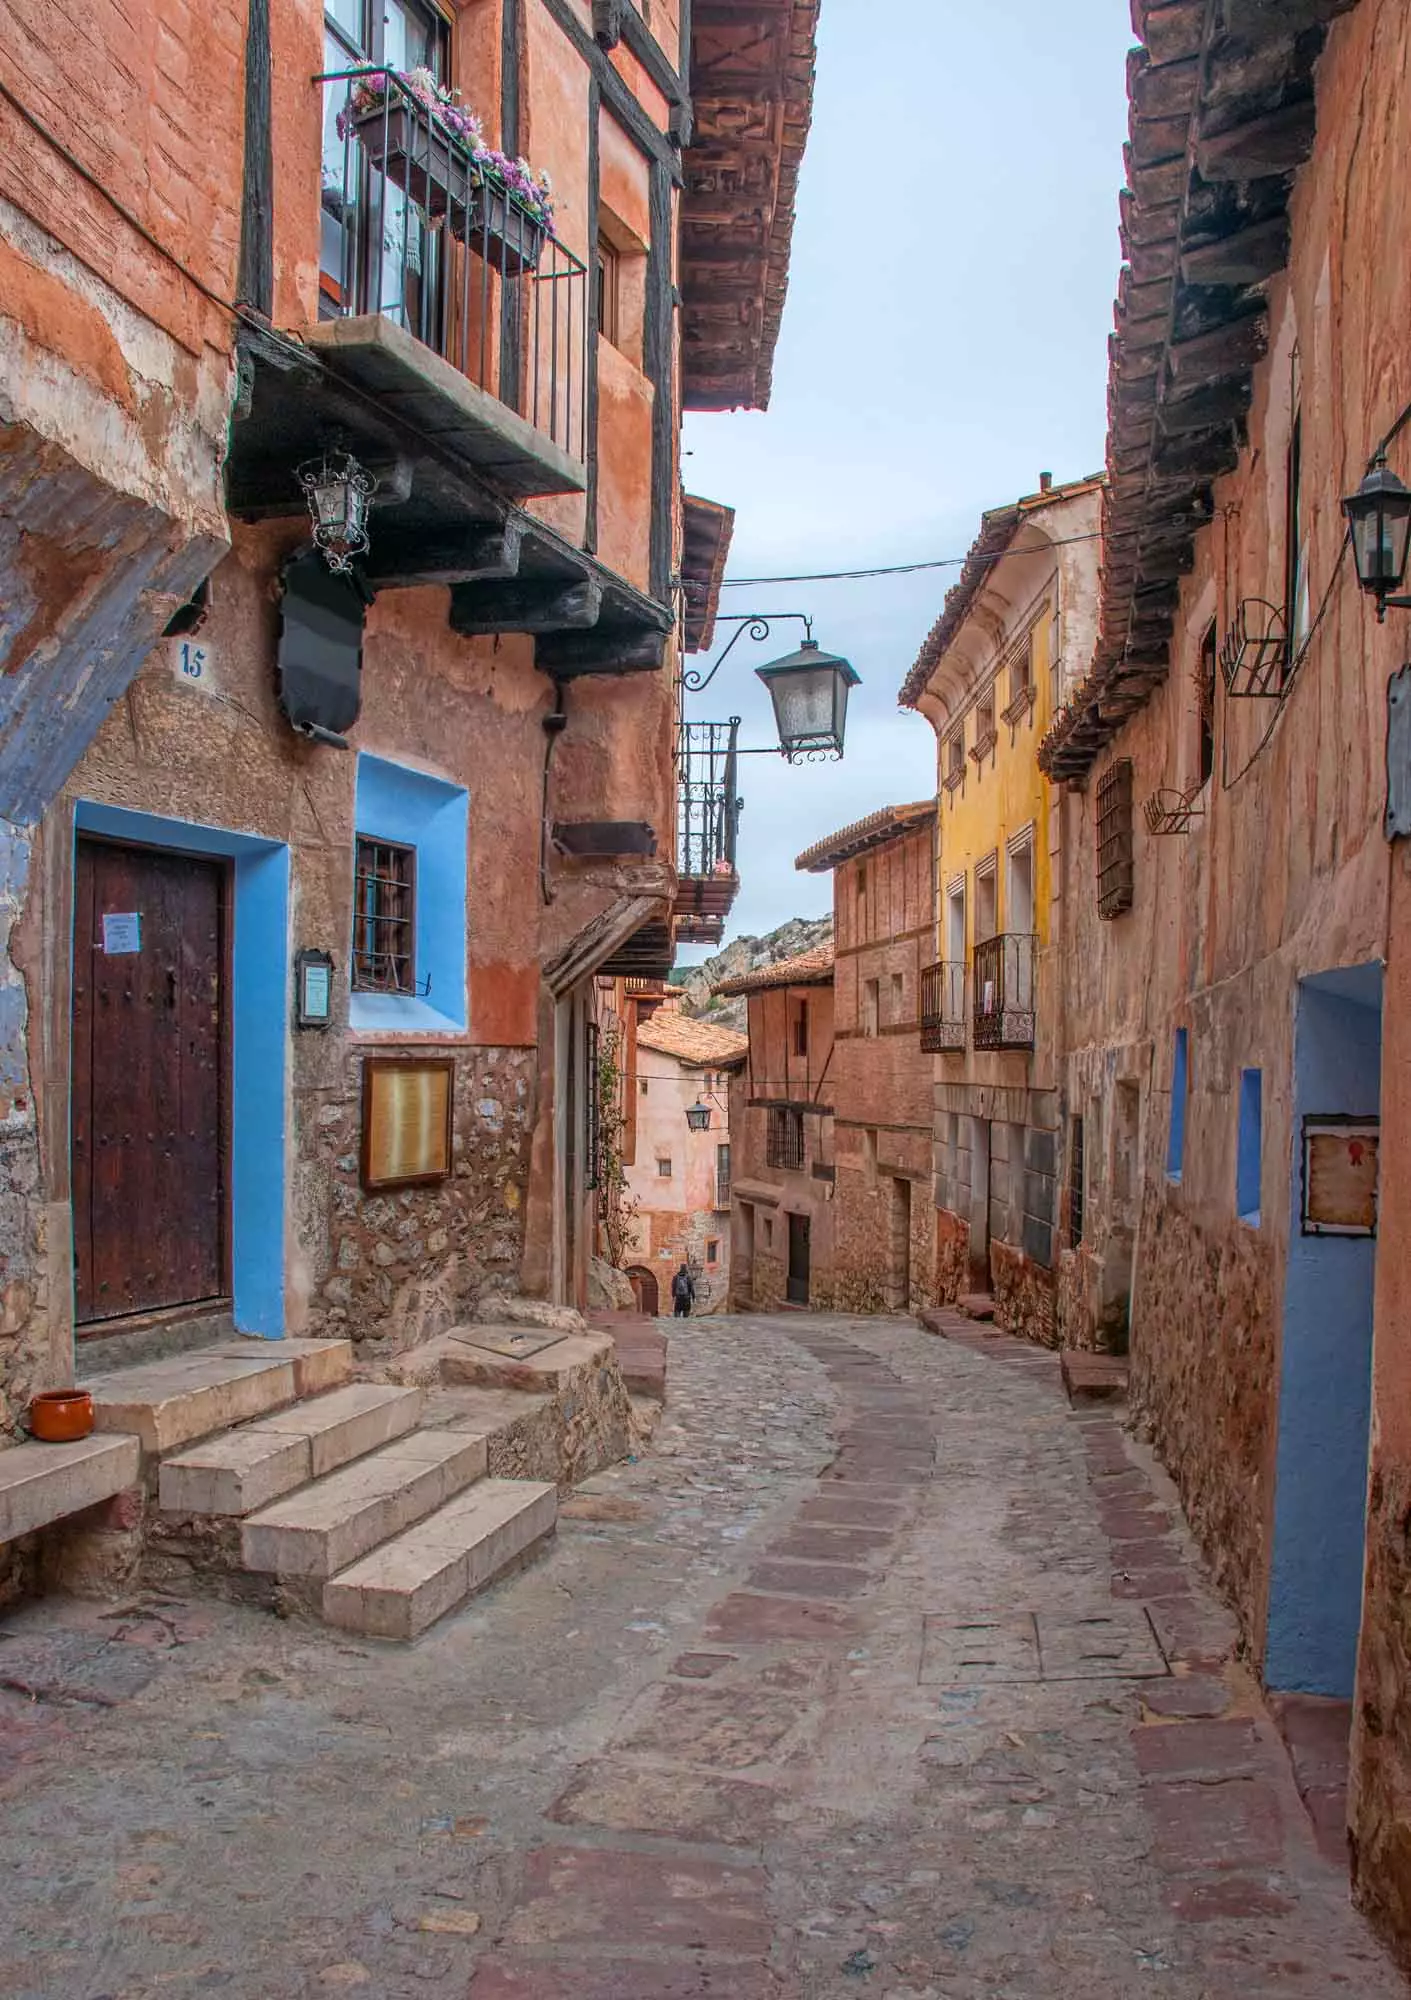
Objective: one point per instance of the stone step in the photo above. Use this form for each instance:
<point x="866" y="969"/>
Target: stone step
<point x="977" y="1305"/>
<point x="249" y="1468"/>
<point x="410" y="1582"/>
<point x="327" y="1526"/>
<point x="171" y="1403"/>
<point x="40" y="1483"/>
<point x="1094" y="1378"/>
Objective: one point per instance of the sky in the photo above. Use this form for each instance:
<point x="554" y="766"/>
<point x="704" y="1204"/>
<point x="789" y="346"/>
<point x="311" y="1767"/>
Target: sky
<point x="944" y="342"/>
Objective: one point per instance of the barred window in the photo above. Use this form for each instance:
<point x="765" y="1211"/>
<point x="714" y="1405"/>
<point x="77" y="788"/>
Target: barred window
<point x="786" y="1139"/>
<point x="1076" y="1182"/>
<point x="384" y="917"/>
<point x="1114" y="839"/>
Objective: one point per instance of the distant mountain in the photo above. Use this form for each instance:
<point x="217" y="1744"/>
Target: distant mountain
<point x="746" y="954"/>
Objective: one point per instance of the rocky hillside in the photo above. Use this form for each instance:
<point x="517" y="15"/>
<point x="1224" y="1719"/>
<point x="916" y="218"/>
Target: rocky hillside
<point x="746" y="954"/>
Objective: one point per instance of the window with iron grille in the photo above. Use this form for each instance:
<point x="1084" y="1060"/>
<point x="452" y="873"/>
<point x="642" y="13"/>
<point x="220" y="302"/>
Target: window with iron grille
<point x="384" y="917"/>
<point x="1114" y="839"/>
<point x="722" y="1176"/>
<point x="786" y="1143"/>
<point x="1075" y="1185"/>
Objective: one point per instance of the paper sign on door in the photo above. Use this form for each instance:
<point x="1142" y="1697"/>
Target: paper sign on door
<point x="122" y="932"/>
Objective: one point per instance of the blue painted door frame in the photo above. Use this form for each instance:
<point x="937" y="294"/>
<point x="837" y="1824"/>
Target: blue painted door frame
<point x="259" y="1004"/>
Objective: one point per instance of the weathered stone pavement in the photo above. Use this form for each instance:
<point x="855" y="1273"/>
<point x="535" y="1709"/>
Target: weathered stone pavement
<point x="882" y="1672"/>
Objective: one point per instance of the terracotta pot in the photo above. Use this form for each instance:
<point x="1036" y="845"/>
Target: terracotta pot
<point x="60" y="1416"/>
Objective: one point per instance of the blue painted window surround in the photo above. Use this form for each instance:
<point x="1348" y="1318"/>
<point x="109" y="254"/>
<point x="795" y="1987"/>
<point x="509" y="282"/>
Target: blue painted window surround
<point x="1180" y="1079"/>
<point x="1251" y="1146"/>
<point x="395" y="803"/>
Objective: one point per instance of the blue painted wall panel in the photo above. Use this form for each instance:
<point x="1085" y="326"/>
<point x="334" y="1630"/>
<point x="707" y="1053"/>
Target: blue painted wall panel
<point x="396" y="803"/>
<point x="1325" y="1391"/>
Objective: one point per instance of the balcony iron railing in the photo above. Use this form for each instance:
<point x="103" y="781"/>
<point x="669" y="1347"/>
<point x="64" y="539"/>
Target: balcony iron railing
<point x="416" y="229"/>
<point x="722" y="1177"/>
<point x="943" y="1007"/>
<point x="707" y="828"/>
<point x="1004" y="994"/>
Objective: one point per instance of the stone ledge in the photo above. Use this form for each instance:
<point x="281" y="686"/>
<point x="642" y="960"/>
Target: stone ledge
<point x="1094" y="1378"/>
<point x="43" y="1483"/>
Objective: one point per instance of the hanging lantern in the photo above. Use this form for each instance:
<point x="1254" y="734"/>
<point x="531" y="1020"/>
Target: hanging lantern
<point x="698" y="1116"/>
<point x="1379" y="515"/>
<point x="809" y="690"/>
<point x="338" y="491"/>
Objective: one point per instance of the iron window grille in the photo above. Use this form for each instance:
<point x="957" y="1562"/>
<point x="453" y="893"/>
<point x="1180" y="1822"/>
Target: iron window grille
<point x="785" y="1146"/>
<point x="1115" y="878"/>
<point x="384" y="917"/>
<point x="943" y="1007"/>
<point x="722" y="1176"/>
<point x="664" y="1169"/>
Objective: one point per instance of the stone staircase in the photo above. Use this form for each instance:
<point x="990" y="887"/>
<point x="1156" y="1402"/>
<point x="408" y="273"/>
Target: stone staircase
<point x="368" y="1504"/>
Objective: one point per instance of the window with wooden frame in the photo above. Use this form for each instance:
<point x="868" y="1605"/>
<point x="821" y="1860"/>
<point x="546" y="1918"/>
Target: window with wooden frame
<point x="955" y="759"/>
<point x="801" y="1030"/>
<point x="1021" y="682"/>
<point x="664" y="1168"/>
<point x="1115" y="877"/>
<point x="384" y="917"/>
<point x="1205" y="708"/>
<point x="607" y="278"/>
<point x="986" y="735"/>
<point x="785" y="1138"/>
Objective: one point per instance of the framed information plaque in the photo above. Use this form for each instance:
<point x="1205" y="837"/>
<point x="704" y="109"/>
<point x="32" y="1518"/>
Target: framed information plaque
<point x="1340" y="1162"/>
<point x="407" y="1120"/>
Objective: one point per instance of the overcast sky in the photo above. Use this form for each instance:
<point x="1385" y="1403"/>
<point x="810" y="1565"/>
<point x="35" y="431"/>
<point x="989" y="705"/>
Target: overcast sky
<point x="944" y="342"/>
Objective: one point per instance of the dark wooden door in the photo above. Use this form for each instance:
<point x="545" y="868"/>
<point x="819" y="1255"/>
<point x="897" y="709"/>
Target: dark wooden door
<point x="800" y="1258"/>
<point x="149" y="1179"/>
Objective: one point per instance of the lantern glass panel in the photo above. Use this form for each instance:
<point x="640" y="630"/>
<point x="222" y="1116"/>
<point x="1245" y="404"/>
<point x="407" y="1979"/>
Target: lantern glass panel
<point x="1380" y="517"/>
<point x="809" y="690"/>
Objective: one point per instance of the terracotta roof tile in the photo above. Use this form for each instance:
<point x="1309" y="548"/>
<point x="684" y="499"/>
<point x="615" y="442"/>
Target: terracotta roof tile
<point x="693" y="1041"/>
<point x="874" y="831"/>
<point x="810" y="968"/>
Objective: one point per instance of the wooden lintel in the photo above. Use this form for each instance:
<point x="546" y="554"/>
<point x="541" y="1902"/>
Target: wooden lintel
<point x="481" y="553"/>
<point x="479" y="609"/>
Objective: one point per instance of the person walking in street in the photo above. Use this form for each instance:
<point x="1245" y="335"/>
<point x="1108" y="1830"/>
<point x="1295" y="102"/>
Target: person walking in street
<point x="683" y="1292"/>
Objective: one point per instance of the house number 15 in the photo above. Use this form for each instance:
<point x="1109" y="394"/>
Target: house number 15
<point x="193" y="661"/>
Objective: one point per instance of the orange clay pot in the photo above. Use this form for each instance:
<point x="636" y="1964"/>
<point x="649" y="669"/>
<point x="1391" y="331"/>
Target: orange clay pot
<point x="60" y="1416"/>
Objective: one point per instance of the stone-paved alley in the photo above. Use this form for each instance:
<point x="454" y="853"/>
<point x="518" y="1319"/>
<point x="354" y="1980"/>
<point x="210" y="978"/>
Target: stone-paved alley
<point x="831" y="1693"/>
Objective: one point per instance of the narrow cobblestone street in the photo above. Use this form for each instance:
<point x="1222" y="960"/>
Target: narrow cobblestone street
<point x="881" y="1671"/>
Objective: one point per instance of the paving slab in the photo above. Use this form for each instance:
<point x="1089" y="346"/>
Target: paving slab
<point x="44" y="1483"/>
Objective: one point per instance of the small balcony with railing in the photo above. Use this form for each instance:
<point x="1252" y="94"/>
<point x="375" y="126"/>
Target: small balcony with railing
<point x="449" y="359"/>
<point x="943" y="1007"/>
<point x="1003" y="1000"/>
<point x="707" y="829"/>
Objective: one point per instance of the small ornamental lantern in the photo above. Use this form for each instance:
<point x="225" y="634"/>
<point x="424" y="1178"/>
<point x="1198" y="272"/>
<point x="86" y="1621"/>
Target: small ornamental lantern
<point x="1379" y="515"/>
<point x="809" y="690"/>
<point x="338" y="491"/>
<point x="698" y="1116"/>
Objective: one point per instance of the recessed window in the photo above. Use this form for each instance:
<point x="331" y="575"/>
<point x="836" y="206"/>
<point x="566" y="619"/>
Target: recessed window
<point x="1296" y="609"/>
<point x="955" y="759"/>
<point x="1249" y="1157"/>
<point x="984" y="728"/>
<point x="608" y="279"/>
<point x="1115" y="880"/>
<point x="1205" y="700"/>
<point x="384" y="917"/>
<point x="1076" y="1170"/>
<point x="871" y="1006"/>
<point x="801" y="1029"/>
<point x="642" y="1086"/>
<point x="712" y="1253"/>
<point x="1180" y="1084"/>
<point x="898" y="997"/>
<point x="785" y="1140"/>
<point x="664" y="1169"/>
<point x="986" y="900"/>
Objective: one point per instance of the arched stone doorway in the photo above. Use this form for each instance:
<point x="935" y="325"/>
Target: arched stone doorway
<point x="645" y="1290"/>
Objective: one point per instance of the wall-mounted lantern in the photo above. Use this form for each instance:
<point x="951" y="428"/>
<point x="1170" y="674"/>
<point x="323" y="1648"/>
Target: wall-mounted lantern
<point x="1379" y="516"/>
<point x="339" y="492"/>
<point x="698" y="1116"/>
<point x="809" y="690"/>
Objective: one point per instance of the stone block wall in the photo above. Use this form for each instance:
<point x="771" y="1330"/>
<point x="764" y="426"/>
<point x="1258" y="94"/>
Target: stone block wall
<point x="401" y="1267"/>
<point x="1380" y="1802"/>
<point x="1024" y="1295"/>
<point x="952" y="1257"/>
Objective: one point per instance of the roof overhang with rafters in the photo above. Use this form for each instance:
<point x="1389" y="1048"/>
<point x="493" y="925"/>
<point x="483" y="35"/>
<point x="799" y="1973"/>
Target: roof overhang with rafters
<point x="879" y="829"/>
<point x="752" y="68"/>
<point x="706" y="534"/>
<point x="1222" y="114"/>
<point x="810" y="968"/>
<point x="999" y="535"/>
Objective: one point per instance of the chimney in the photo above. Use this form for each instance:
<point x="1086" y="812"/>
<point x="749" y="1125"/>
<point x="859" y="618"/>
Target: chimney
<point x="1045" y="482"/>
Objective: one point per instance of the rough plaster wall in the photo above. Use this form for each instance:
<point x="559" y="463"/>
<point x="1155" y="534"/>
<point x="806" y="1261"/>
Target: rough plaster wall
<point x="1023" y="1294"/>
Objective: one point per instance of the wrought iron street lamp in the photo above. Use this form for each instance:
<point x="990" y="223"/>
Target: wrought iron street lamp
<point x="809" y="689"/>
<point x="698" y="1116"/>
<point x="1379" y="517"/>
<point x="338" y="491"/>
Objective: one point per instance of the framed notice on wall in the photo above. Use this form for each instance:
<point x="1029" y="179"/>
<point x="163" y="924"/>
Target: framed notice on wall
<point x="407" y="1120"/>
<point x="1340" y="1162"/>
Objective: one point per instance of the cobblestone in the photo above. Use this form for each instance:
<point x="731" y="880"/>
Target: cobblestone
<point x="831" y="1692"/>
